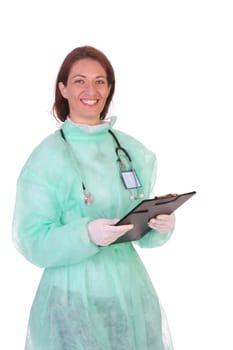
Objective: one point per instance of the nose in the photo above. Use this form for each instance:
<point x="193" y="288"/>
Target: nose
<point x="91" y="88"/>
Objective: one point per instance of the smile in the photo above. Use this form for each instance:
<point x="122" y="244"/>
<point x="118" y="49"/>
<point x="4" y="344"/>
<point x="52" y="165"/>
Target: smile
<point x="89" y="102"/>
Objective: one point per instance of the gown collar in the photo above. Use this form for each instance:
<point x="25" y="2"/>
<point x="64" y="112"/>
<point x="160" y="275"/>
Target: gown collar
<point x="73" y="130"/>
<point x="106" y="123"/>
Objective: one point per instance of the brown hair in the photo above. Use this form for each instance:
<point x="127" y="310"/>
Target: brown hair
<point x="61" y="106"/>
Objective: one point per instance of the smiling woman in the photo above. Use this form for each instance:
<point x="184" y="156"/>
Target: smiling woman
<point x="86" y="77"/>
<point x="86" y="90"/>
<point x="93" y="294"/>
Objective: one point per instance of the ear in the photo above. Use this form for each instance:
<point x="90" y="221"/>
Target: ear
<point x="62" y="89"/>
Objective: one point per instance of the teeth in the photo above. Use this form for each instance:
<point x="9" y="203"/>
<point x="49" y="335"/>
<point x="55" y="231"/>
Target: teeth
<point x="89" y="102"/>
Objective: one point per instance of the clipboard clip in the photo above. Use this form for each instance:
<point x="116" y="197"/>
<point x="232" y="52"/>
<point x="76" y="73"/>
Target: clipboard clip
<point x="169" y="195"/>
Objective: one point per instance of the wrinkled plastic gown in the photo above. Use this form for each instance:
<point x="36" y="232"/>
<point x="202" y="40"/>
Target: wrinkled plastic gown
<point x="89" y="297"/>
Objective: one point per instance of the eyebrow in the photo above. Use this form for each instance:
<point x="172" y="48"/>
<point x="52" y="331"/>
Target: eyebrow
<point x="84" y="76"/>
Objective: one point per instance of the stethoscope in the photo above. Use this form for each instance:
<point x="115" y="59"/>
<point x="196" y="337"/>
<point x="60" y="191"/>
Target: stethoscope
<point x="128" y="174"/>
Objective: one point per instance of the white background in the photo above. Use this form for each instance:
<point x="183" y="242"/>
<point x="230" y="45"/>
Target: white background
<point x="173" y="64"/>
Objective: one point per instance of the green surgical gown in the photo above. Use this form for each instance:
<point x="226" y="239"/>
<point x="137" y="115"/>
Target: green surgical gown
<point x="89" y="297"/>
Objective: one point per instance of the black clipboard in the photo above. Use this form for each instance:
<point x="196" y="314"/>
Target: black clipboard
<point x="140" y="215"/>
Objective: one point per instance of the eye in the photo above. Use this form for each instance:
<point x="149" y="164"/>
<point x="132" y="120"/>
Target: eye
<point x="100" y="81"/>
<point x="79" y="81"/>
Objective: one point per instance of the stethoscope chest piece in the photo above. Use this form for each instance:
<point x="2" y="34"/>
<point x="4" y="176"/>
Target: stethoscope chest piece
<point x="88" y="198"/>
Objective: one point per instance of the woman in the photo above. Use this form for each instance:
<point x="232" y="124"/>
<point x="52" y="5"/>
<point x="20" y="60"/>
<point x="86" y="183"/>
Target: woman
<point x="93" y="294"/>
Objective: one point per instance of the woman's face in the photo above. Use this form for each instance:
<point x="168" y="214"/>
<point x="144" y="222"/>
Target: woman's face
<point x="86" y="91"/>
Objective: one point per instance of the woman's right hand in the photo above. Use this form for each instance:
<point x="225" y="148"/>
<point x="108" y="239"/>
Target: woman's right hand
<point x="103" y="232"/>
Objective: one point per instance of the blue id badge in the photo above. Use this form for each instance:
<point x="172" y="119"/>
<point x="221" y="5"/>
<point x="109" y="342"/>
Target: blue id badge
<point x="130" y="179"/>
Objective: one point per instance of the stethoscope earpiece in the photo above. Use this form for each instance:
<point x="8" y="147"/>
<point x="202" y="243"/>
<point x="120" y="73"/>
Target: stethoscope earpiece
<point x="133" y="197"/>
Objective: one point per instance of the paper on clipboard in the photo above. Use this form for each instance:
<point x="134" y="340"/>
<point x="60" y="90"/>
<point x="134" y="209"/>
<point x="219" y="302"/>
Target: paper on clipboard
<point x="140" y="215"/>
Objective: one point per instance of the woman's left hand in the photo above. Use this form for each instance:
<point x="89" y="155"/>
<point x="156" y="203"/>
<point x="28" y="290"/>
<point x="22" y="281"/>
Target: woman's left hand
<point x="162" y="223"/>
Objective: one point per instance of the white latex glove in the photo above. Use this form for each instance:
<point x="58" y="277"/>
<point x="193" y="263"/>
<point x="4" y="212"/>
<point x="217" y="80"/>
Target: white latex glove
<point x="103" y="232"/>
<point x="162" y="223"/>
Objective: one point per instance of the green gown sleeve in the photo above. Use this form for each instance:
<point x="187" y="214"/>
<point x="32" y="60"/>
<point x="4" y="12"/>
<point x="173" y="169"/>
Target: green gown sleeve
<point x="39" y="234"/>
<point x="154" y="239"/>
<point x="40" y="231"/>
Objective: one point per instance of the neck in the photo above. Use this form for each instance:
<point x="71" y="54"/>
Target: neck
<point x="86" y="121"/>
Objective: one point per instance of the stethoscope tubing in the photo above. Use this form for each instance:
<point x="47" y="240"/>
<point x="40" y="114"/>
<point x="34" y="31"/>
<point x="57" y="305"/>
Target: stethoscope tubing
<point x="88" y="197"/>
<point x="119" y="147"/>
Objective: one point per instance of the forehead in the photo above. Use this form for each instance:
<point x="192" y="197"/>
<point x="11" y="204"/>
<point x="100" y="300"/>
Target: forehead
<point x="87" y="67"/>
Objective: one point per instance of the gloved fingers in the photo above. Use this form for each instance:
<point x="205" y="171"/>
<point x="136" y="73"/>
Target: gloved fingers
<point x="162" y="223"/>
<point x="119" y="230"/>
<point x="103" y="232"/>
<point x="158" y="228"/>
<point x="114" y="232"/>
